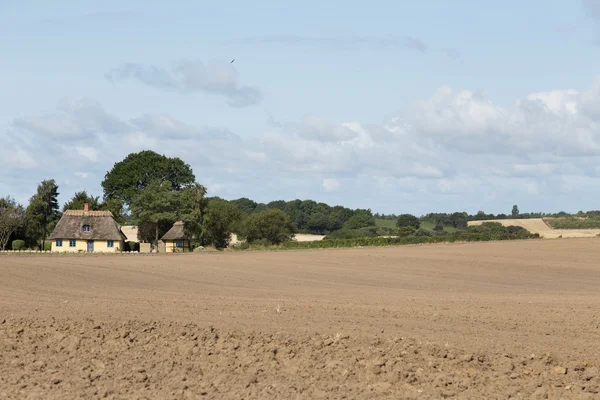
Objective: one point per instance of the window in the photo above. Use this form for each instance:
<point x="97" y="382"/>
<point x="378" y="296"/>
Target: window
<point x="72" y="243"/>
<point x="58" y="242"/>
<point x="86" y="228"/>
<point x="110" y="244"/>
<point x="179" y="244"/>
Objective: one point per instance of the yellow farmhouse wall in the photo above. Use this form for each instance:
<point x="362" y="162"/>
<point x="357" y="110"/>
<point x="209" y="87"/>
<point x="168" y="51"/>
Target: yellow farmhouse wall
<point x="171" y="245"/>
<point x="100" y="246"/>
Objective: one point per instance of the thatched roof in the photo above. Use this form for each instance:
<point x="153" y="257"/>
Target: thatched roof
<point x="131" y="232"/>
<point x="176" y="232"/>
<point x="102" y="226"/>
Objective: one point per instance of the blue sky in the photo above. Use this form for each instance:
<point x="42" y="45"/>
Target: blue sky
<point x="395" y="106"/>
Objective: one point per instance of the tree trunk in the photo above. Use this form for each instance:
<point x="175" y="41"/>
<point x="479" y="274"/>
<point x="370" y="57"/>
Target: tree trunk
<point x="44" y="239"/>
<point x="156" y="241"/>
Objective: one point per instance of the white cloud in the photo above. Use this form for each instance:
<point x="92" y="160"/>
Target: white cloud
<point x="331" y="185"/>
<point x="455" y="144"/>
<point x="192" y="77"/>
<point x="82" y="175"/>
<point x="88" y="152"/>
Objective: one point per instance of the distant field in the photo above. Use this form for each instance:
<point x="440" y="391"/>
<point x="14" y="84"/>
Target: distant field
<point x="537" y="225"/>
<point x="391" y="223"/>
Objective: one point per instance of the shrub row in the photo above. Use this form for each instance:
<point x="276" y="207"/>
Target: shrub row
<point x="573" y="223"/>
<point x="396" y="241"/>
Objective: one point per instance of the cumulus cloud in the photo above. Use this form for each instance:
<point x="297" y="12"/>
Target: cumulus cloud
<point x="455" y="150"/>
<point x="192" y="77"/>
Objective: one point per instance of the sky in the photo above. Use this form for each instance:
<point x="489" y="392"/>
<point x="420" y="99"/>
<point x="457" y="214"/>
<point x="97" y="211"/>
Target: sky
<point x="396" y="106"/>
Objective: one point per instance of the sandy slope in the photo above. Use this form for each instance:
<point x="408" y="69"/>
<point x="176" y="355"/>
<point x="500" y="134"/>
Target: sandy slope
<point x="538" y="225"/>
<point x="422" y="322"/>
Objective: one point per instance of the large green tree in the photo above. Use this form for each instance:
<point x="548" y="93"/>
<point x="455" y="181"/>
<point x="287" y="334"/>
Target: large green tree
<point x="192" y="209"/>
<point x="221" y="220"/>
<point x="43" y="209"/>
<point x="138" y="170"/>
<point x="408" y="220"/>
<point x="155" y="204"/>
<point x="12" y="216"/>
<point x="273" y="225"/>
<point x="81" y="198"/>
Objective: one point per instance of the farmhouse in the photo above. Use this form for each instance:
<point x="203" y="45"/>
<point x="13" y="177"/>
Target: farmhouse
<point x="87" y="231"/>
<point x="175" y="239"/>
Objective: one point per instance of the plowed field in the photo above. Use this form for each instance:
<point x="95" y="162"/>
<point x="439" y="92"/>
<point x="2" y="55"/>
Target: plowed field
<point x="466" y="321"/>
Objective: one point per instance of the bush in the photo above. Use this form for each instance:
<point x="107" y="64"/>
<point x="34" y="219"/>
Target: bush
<point x="47" y="245"/>
<point x="408" y="220"/>
<point x="18" y="244"/>
<point x="359" y="221"/>
<point x="131" y="246"/>
<point x="406" y="231"/>
<point x="273" y="225"/>
<point x="261" y="243"/>
<point x="424" y="232"/>
<point x="349" y="234"/>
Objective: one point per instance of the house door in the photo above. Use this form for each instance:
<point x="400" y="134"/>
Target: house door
<point x="90" y="246"/>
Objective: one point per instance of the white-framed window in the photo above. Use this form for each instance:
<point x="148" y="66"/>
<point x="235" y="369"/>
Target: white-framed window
<point x="58" y="242"/>
<point x="72" y="243"/>
<point x="110" y="244"/>
<point x="179" y="244"/>
<point x="86" y="228"/>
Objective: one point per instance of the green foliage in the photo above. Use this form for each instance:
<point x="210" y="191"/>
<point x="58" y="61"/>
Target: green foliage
<point x="515" y="211"/>
<point x="592" y="222"/>
<point x="139" y="170"/>
<point x="81" y="198"/>
<point x="156" y="203"/>
<point x="47" y="246"/>
<point x="192" y="209"/>
<point x="406" y="231"/>
<point x="424" y="232"/>
<point x="12" y="216"/>
<point x="359" y="221"/>
<point x="273" y="225"/>
<point x="350" y="234"/>
<point x="221" y="219"/>
<point x="408" y="220"/>
<point x="131" y="246"/>
<point x="42" y="212"/>
<point x="18" y="244"/>
<point x="261" y="243"/>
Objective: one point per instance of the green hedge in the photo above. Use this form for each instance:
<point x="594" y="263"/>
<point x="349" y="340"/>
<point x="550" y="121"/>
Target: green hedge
<point x="573" y="223"/>
<point x="383" y="241"/>
<point x="18" y="245"/>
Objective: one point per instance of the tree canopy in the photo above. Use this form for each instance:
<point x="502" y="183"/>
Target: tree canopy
<point x="138" y="170"/>
<point x="81" y="198"/>
<point x="42" y="212"/>
<point x="272" y="225"/>
<point x="221" y="220"/>
<point x="156" y="203"/>
<point x="408" y="220"/>
<point x="12" y="216"/>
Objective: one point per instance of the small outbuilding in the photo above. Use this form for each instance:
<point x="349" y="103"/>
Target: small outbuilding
<point x="87" y="231"/>
<point x="176" y="240"/>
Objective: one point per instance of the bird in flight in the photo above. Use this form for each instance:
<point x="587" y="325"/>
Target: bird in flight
<point x="232" y="61"/>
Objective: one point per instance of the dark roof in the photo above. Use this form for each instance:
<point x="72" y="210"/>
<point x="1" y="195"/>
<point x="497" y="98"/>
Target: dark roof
<point x="176" y="232"/>
<point x="102" y="226"/>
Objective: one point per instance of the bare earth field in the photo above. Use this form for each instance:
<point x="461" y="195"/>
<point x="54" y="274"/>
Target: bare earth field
<point x="493" y="320"/>
<point x="537" y="225"/>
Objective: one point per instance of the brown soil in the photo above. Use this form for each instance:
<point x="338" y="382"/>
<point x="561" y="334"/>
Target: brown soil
<point x="467" y="321"/>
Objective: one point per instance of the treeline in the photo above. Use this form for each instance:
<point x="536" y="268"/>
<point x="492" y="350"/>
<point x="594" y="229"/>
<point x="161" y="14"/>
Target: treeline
<point x="311" y="217"/>
<point x="487" y="231"/>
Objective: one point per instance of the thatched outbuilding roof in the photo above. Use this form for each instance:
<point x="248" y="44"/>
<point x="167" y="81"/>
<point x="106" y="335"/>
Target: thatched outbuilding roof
<point x="176" y="232"/>
<point x="102" y="226"/>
